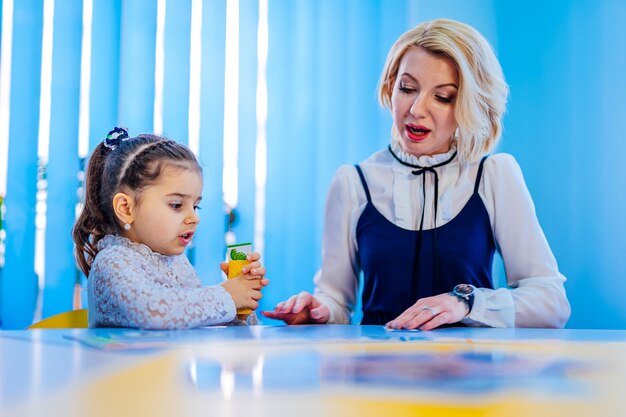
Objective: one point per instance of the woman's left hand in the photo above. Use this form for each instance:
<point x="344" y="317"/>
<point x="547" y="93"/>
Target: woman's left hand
<point x="431" y="312"/>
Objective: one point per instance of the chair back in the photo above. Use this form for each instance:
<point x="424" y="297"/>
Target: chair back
<point x="67" y="320"/>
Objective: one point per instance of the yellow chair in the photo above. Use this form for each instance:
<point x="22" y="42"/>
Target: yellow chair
<point x="69" y="319"/>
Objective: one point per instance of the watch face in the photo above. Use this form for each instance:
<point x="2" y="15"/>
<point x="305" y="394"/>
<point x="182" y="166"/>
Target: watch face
<point x="464" y="289"/>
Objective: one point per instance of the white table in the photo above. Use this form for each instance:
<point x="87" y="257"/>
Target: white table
<point x="329" y="370"/>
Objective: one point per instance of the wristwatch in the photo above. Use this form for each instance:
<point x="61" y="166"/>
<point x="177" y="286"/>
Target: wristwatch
<point x="465" y="293"/>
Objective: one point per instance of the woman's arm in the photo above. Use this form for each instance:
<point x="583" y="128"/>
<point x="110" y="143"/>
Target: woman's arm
<point x="536" y="297"/>
<point x="336" y="283"/>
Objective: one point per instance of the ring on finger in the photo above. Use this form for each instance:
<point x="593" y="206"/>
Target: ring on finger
<point x="431" y="310"/>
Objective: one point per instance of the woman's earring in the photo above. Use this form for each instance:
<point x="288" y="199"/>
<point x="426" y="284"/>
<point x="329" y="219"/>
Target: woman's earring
<point x="127" y="226"/>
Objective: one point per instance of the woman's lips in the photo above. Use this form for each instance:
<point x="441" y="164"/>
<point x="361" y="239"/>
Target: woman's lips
<point x="417" y="133"/>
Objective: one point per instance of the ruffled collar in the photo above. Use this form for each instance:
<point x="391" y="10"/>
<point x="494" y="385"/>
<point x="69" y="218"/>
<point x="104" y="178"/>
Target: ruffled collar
<point x="424" y="160"/>
<point x="117" y="240"/>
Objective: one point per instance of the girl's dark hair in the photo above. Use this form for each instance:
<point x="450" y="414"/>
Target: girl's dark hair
<point x="133" y="164"/>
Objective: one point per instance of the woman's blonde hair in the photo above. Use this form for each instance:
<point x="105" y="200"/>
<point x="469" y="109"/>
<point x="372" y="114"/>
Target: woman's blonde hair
<point x="483" y="91"/>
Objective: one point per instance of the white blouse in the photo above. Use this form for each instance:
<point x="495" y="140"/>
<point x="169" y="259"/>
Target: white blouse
<point x="535" y="296"/>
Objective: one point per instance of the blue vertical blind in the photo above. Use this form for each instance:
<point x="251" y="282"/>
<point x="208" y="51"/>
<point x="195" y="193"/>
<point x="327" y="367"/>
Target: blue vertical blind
<point x="63" y="164"/>
<point x="121" y="91"/>
<point x="305" y="96"/>
<point x="19" y="283"/>
<point x="138" y="56"/>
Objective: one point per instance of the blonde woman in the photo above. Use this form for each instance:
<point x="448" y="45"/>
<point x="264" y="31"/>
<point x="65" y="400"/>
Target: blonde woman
<point x="423" y="218"/>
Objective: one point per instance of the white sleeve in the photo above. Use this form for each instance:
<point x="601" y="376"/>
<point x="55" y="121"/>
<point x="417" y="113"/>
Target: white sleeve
<point x="336" y="283"/>
<point x="536" y="295"/>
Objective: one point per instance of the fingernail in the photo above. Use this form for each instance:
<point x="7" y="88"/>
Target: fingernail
<point x="315" y="314"/>
<point x="253" y="271"/>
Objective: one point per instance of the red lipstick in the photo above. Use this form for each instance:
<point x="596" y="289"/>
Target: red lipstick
<point x="417" y="133"/>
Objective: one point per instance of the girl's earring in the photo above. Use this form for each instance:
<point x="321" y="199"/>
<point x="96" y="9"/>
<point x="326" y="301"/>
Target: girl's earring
<point x="126" y="226"/>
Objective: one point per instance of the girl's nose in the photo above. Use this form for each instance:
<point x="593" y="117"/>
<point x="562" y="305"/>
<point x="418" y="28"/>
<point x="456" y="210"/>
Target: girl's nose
<point x="193" y="218"/>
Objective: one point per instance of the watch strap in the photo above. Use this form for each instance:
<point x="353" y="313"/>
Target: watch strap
<point x="468" y="299"/>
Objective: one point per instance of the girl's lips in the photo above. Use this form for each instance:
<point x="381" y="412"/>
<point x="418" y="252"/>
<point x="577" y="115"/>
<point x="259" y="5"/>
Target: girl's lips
<point x="185" y="238"/>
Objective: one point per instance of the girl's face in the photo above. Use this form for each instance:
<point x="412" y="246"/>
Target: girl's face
<point x="422" y="102"/>
<point x="165" y="217"/>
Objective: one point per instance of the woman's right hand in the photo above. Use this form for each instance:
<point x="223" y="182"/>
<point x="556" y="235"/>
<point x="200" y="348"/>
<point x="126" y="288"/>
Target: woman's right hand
<point x="302" y="308"/>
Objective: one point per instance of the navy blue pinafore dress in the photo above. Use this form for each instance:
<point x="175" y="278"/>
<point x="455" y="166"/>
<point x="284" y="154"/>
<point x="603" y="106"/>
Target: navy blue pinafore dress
<point x="401" y="266"/>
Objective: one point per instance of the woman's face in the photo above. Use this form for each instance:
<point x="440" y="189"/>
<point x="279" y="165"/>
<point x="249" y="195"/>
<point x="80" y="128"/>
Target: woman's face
<point x="422" y="102"/>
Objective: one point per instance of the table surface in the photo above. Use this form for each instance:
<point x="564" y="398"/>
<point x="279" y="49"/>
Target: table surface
<point x="329" y="370"/>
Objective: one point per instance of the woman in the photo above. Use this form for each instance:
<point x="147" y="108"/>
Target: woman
<point x="423" y="218"/>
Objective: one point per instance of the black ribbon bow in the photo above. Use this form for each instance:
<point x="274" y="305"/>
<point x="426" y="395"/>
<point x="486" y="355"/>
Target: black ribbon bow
<point x="420" y="170"/>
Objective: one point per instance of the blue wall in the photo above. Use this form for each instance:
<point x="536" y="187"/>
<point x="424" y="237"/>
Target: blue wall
<point x="565" y="123"/>
<point x="564" y="61"/>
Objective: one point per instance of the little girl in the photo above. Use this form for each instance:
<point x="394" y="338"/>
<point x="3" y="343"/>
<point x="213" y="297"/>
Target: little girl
<point x="141" y="201"/>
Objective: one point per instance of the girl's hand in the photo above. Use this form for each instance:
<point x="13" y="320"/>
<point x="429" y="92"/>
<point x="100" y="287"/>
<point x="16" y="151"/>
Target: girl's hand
<point x="302" y="308"/>
<point x="245" y="289"/>
<point x="431" y="312"/>
<point x="253" y="270"/>
<point x="246" y="293"/>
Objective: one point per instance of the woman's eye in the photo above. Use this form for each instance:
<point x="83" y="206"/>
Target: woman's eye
<point x="176" y="206"/>
<point x="445" y="99"/>
<point x="196" y="208"/>
<point x="406" y="89"/>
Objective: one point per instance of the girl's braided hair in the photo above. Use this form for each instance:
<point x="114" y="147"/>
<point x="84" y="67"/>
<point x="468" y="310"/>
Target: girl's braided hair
<point x="121" y="163"/>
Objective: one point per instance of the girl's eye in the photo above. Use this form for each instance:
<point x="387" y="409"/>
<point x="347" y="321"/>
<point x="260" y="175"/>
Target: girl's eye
<point x="176" y="206"/>
<point x="196" y="208"/>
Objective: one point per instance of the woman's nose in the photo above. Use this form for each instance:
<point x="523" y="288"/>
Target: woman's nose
<point x="418" y="108"/>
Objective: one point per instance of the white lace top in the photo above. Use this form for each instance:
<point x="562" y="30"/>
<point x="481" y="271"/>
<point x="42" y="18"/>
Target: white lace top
<point x="131" y="286"/>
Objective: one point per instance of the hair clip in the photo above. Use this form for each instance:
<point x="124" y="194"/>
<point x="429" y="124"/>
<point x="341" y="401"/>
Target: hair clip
<point x="114" y="137"/>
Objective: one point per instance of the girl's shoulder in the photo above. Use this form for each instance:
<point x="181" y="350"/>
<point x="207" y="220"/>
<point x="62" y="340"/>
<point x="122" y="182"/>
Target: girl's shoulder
<point x="114" y="251"/>
<point x="114" y="245"/>
<point x="119" y="257"/>
<point x="118" y="249"/>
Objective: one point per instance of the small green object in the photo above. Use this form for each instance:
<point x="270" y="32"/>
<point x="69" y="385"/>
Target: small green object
<point x="237" y="256"/>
